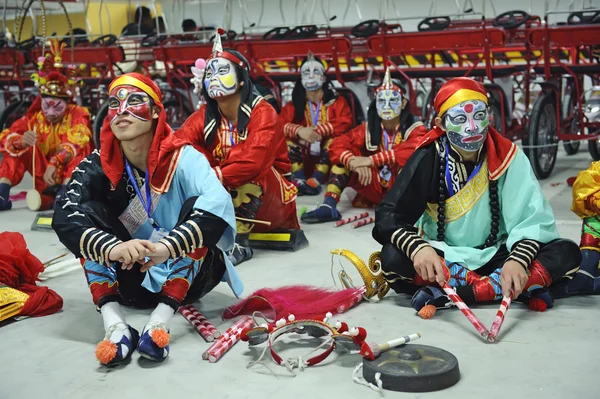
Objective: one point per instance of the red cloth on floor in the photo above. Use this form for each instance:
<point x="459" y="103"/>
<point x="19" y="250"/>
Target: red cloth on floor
<point x="19" y="269"/>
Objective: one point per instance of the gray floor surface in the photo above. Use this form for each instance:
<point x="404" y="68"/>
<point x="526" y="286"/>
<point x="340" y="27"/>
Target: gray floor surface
<point x="539" y="355"/>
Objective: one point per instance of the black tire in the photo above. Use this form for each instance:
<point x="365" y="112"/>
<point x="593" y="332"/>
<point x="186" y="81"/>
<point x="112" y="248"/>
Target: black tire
<point x="177" y="112"/>
<point x="495" y="115"/>
<point x="571" y="147"/>
<point x="13" y="112"/>
<point x="543" y="132"/>
<point x="594" y="149"/>
<point x="98" y="121"/>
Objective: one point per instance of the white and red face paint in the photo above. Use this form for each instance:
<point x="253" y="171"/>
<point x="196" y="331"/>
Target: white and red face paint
<point x="467" y="124"/>
<point x="53" y="108"/>
<point x="131" y="100"/>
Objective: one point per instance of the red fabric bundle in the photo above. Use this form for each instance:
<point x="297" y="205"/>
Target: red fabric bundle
<point x="19" y="269"/>
<point x="304" y="302"/>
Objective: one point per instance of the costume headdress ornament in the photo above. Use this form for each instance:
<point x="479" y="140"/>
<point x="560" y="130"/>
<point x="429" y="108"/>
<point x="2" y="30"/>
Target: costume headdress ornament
<point x="53" y="78"/>
<point x="457" y="91"/>
<point x="217" y="50"/>
<point x="387" y="83"/>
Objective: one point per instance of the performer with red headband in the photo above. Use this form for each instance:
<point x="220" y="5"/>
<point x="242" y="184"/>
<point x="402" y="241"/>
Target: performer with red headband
<point x="149" y="217"/>
<point x="316" y="114"/>
<point x="237" y="129"/>
<point x="370" y="156"/>
<point x="586" y="205"/>
<point x="467" y="209"/>
<point x="55" y="130"/>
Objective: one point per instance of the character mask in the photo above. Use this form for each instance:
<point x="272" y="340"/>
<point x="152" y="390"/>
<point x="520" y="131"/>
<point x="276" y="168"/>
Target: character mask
<point x="389" y="104"/>
<point x="312" y="75"/>
<point x="466" y="124"/>
<point x="53" y="108"/>
<point x="220" y="79"/>
<point x="129" y="99"/>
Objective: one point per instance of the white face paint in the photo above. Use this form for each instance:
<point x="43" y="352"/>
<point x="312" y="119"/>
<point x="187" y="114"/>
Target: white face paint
<point x="466" y="124"/>
<point x="313" y="75"/>
<point x="389" y="104"/>
<point x="220" y="79"/>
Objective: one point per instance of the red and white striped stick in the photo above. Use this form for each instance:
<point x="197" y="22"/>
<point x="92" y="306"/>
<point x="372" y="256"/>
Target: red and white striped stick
<point x="353" y="301"/>
<point x="215" y="333"/>
<point x="481" y="329"/>
<point x="202" y="330"/>
<point x="497" y="324"/>
<point x="363" y="222"/>
<point x="228" y="339"/>
<point x="351" y="219"/>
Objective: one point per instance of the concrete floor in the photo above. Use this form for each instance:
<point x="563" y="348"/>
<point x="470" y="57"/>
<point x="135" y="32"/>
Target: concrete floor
<point x="539" y="355"/>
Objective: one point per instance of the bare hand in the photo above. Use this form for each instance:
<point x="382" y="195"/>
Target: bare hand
<point x="29" y="139"/>
<point x="513" y="278"/>
<point x="309" y="134"/>
<point x="365" y="175"/>
<point x="160" y="256"/>
<point x="50" y="175"/>
<point x="359" y="162"/>
<point x="429" y="265"/>
<point x="130" y="252"/>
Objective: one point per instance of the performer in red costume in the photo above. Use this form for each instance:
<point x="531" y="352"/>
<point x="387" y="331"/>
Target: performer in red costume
<point x="55" y="130"/>
<point x="237" y="130"/>
<point x="316" y="114"/>
<point x="371" y="155"/>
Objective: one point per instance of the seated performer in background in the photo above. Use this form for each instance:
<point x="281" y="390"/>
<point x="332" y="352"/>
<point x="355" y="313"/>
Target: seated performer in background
<point x="55" y="130"/>
<point x="369" y="157"/>
<point x="467" y="209"/>
<point x="586" y="205"/>
<point x="316" y="114"/>
<point x="150" y="219"/>
<point x="237" y="129"/>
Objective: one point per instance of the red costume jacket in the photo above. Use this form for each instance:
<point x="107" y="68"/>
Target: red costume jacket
<point x="335" y="118"/>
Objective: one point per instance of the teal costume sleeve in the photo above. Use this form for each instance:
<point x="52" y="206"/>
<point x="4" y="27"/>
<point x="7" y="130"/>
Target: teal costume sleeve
<point x="526" y="212"/>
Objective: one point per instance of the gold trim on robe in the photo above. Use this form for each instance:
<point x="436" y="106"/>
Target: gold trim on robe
<point x="462" y="202"/>
<point x="11" y="302"/>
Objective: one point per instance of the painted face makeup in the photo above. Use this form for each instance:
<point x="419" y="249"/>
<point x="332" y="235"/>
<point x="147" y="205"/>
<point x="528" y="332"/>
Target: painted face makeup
<point x="389" y="104"/>
<point x="131" y="100"/>
<point x="53" y="108"/>
<point x="312" y="75"/>
<point x="220" y="79"/>
<point x="466" y="125"/>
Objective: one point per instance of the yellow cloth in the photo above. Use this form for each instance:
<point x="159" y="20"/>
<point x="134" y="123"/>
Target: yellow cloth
<point x="11" y="302"/>
<point x="586" y="185"/>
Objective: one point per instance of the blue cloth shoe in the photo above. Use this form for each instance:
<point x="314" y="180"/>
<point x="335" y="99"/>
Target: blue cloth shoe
<point x="431" y="295"/>
<point x="154" y="343"/>
<point x="111" y="353"/>
<point x="5" y="202"/>
<point x="326" y="212"/>
<point x="308" y="187"/>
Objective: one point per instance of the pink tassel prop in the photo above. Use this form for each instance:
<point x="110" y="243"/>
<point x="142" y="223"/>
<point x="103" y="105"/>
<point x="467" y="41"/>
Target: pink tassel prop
<point x="499" y="319"/>
<point x="363" y="222"/>
<point x="353" y="301"/>
<point x="481" y="329"/>
<point x="228" y="339"/>
<point x="351" y="219"/>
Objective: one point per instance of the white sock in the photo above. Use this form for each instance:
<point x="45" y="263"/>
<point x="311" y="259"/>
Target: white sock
<point x="115" y="323"/>
<point x="161" y="315"/>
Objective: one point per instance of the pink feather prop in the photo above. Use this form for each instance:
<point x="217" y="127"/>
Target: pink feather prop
<point x="200" y="63"/>
<point x="304" y="302"/>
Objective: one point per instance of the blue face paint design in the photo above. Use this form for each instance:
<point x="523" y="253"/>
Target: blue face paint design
<point x="220" y="79"/>
<point x="389" y="104"/>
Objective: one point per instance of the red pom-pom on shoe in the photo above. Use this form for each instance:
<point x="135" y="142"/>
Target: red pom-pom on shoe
<point x="571" y="180"/>
<point x="538" y="305"/>
<point x="427" y="312"/>
<point x="106" y="351"/>
<point x="160" y="337"/>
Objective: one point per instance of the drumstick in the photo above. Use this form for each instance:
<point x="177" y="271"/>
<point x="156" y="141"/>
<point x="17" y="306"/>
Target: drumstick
<point x="499" y="319"/>
<point x="253" y="221"/>
<point x="372" y="350"/>
<point x="481" y="329"/>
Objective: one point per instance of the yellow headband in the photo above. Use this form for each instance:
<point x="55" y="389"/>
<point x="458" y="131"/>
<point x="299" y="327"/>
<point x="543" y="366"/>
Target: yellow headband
<point x="460" y="96"/>
<point x="131" y="81"/>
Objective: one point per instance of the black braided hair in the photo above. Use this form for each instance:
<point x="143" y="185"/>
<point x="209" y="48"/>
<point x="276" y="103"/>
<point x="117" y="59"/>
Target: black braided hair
<point x="441" y="210"/>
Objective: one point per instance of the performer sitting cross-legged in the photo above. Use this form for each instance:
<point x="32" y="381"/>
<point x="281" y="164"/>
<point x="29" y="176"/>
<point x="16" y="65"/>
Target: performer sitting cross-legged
<point x="467" y="209"/>
<point x="150" y="219"/>
<point x="55" y="130"/>
<point x="316" y="114"/>
<point x="369" y="157"/>
<point x="237" y="129"/>
<point x="586" y="205"/>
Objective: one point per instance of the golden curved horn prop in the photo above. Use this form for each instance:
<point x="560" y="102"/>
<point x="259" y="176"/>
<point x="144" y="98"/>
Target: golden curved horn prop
<point x="371" y="274"/>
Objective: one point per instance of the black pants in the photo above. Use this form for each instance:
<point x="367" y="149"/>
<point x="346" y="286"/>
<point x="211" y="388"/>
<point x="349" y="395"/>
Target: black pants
<point x="559" y="257"/>
<point x="131" y="291"/>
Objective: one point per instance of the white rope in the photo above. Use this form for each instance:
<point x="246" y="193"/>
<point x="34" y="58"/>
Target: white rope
<point x="360" y="380"/>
